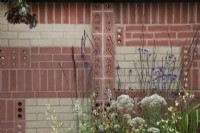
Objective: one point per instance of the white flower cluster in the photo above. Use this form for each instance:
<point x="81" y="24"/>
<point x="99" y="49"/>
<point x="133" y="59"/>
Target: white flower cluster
<point x="153" y="101"/>
<point x="153" y="130"/>
<point x="135" y="122"/>
<point x="123" y="104"/>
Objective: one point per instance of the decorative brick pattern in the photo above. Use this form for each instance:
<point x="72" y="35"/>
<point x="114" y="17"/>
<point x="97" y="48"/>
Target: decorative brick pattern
<point x="41" y="71"/>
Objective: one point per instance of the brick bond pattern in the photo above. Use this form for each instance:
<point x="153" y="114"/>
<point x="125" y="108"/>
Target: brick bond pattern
<point x="33" y="76"/>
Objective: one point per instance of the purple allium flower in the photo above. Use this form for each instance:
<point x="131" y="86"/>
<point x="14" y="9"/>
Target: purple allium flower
<point x="160" y="68"/>
<point x="173" y="77"/>
<point x="130" y="71"/>
<point x="96" y="50"/>
<point x="86" y="63"/>
<point x="156" y="71"/>
<point x="82" y="53"/>
<point x="145" y="50"/>
<point x="139" y="49"/>
<point x="117" y="67"/>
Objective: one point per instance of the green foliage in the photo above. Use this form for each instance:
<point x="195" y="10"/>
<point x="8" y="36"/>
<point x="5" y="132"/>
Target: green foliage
<point x="20" y="12"/>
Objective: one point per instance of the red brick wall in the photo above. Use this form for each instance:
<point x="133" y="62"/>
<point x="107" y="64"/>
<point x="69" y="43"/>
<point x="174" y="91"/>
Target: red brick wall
<point x="35" y="71"/>
<point x="156" y="21"/>
<point x="61" y="13"/>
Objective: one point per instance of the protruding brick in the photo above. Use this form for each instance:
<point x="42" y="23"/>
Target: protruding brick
<point x="72" y="13"/>
<point x="41" y="57"/>
<point x="57" y="12"/>
<point x="51" y="80"/>
<point x="43" y="80"/>
<point x="28" y="80"/>
<point x="5" y="80"/>
<point x="58" y="80"/>
<point x="13" y="80"/>
<point x="36" y="80"/>
<point x="21" y="80"/>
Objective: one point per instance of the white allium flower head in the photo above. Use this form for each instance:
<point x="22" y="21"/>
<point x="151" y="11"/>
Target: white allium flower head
<point x="153" y="130"/>
<point x="153" y="101"/>
<point x="123" y="104"/>
<point x="135" y="122"/>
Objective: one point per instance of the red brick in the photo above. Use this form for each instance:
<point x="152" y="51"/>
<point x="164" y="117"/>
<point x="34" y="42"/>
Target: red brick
<point x="52" y="50"/>
<point x="36" y="79"/>
<point x="158" y="28"/>
<point x="28" y="80"/>
<point x="72" y="80"/>
<point x="177" y="42"/>
<point x="136" y="28"/>
<point x="66" y="95"/>
<point x="180" y="28"/>
<point x="195" y="27"/>
<point x="155" y="13"/>
<point x="51" y="80"/>
<point x="184" y="17"/>
<point x="128" y="35"/>
<point x="10" y="110"/>
<point x="35" y="9"/>
<point x="34" y="65"/>
<point x="192" y="10"/>
<point x="42" y="12"/>
<point x="58" y="80"/>
<point x="186" y="34"/>
<point x="137" y="42"/>
<point x="23" y="95"/>
<point x="72" y="13"/>
<point x="13" y="80"/>
<point x="10" y="131"/>
<point x="147" y="7"/>
<point x="80" y="13"/>
<point x="5" y="95"/>
<point x="41" y="57"/>
<point x="34" y="50"/>
<point x="65" y="12"/>
<point x="198" y="12"/>
<point x="0" y="80"/>
<point x="65" y="75"/>
<point x="67" y="50"/>
<point x="125" y="13"/>
<point x="162" y="42"/>
<point x="45" y="94"/>
<point x="50" y="13"/>
<point x="5" y="80"/>
<point x="177" y="13"/>
<point x="49" y="65"/>
<point x="195" y="79"/>
<point x="139" y="13"/>
<point x="132" y="18"/>
<point x="77" y="50"/>
<point x="161" y="13"/>
<point x="142" y="35"/>
<point x="81" y="80"/>
<point x="117" y="13"/>
<point x="170" y="11"/>
<point x="43" y="80"/>
<point x="62" y="58"/>
<point x="20" y="80"/>
<point x="3" y="110"/>
<point x="195" y="64"/>
<point x="57" y="12"/>
<point x="165" y="35"/>
<point x="80" y="58"/>
<point x="7" y="125"/>
<point x="87" y="13"/>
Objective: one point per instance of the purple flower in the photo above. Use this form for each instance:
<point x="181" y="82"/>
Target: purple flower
<point x="139" y="49"/>
<point x="117" y="67"/>
<point x="86" y="63"/>
<point x="160" y="68"/>
<point x="130" y="70"/>
<point x="156" y="71"/>
<point x="82" y="53"/>
<point x="145" y="50"/>
<point x="173" y="77"/>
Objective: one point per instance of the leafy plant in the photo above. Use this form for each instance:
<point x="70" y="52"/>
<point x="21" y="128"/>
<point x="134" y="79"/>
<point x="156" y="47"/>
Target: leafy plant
<point x="20" y="12"/>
